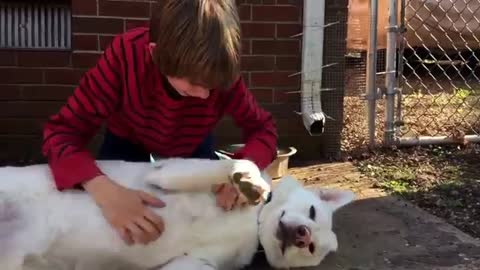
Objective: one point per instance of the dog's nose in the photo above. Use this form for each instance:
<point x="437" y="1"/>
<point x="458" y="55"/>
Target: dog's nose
<point x="303" y="236"/>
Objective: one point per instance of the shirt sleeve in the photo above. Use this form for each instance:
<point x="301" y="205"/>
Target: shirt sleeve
<point x="67" y="133"/>
<point x="259" y="129"/>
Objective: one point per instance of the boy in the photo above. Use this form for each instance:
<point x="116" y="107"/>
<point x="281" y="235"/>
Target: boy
<point x="159" y="90"/>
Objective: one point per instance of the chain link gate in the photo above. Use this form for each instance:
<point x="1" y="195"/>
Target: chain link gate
<point x="432" y="72"/>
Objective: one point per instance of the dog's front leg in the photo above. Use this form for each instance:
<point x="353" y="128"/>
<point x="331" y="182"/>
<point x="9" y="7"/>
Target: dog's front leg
<point x="187" y="263"/>
<point x="177" y="174"/>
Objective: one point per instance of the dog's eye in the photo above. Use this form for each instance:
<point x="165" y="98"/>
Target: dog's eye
<point x="312" y="212"/>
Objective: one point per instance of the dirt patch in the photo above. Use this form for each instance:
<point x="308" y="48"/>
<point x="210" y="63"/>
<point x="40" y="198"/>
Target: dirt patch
<point x="445" y="181"/>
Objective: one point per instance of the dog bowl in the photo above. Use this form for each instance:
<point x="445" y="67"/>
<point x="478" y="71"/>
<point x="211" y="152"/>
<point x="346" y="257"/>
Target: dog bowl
<point x="276" y="169"/>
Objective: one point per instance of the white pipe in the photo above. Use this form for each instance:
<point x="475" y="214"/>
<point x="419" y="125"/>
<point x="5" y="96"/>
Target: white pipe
<point x="312" y="62"/>
<point x="427" y="140"/>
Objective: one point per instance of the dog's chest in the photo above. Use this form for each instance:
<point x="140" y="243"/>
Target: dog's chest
<point x="206" y="231"/>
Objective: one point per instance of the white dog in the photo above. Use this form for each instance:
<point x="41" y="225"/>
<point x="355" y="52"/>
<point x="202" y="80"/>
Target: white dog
<point x="292" y="224"/>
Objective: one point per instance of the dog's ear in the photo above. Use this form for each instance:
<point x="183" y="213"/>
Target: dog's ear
<point x="336" y="198"/>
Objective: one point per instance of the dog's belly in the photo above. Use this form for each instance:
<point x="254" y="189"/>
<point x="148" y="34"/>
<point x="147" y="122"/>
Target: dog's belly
<point x="193" y="224"/>
<point x="70" y="225"/>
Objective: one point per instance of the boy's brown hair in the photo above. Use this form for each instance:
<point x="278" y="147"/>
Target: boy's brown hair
<point x="198" y="40"/>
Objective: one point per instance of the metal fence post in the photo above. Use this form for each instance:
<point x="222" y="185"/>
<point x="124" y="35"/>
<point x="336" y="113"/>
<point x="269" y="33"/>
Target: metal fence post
<point x="390" y="80"/>
<point x="372" y="71"/>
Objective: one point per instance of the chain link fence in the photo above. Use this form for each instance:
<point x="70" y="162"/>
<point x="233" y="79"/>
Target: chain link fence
<point x="440" y="73"/>
<point x="413" y="72"/>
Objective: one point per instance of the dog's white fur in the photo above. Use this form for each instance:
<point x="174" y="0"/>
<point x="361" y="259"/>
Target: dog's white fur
<point x="37" y="220"/>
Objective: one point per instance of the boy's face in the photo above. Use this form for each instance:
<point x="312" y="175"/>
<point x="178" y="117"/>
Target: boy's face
<point x="183" y="86"/>
<point x="187" y="89"/>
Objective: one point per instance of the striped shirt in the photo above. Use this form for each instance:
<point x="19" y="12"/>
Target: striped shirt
<point x="125" y="91"/>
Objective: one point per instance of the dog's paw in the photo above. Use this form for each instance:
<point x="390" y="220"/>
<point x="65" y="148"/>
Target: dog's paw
<point x="247" y="177"/>
<point x="252" y="192"/>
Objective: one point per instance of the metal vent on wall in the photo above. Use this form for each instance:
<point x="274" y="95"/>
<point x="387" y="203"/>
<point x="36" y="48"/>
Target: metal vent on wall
<point x="35" y="25"/>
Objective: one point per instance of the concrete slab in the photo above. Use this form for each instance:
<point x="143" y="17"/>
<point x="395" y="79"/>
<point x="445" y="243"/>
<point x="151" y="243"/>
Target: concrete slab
<point x="383" y="232"/>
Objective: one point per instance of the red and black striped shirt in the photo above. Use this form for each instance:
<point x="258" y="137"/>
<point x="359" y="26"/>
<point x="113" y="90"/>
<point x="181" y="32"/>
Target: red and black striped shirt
<point x="126" y="92"/>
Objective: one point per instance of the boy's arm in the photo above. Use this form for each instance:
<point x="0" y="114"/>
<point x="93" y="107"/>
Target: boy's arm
<point x="67" y="132"/>
<point x="259" y="129"/>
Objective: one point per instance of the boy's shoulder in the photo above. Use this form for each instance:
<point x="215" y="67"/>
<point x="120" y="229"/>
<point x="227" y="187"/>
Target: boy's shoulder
<point x="137" y="35"/>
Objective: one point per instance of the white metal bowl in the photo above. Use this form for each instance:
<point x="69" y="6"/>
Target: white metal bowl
<point x="276" y="169"/>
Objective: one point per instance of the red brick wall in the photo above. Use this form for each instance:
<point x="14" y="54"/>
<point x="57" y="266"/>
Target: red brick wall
<point x="30" y="91"/>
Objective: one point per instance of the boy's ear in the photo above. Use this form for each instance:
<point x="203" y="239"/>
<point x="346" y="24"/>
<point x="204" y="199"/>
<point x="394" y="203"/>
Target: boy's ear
<point x="151" y="47"/>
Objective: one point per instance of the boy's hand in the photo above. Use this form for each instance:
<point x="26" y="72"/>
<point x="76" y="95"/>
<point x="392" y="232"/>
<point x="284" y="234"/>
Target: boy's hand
<point x="229" y="196"/>
<point x="239" y="193"/>
<point x="126" y="211"/>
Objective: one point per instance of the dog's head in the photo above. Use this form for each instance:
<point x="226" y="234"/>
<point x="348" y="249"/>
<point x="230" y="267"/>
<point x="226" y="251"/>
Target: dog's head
<point x="296" y="224"/>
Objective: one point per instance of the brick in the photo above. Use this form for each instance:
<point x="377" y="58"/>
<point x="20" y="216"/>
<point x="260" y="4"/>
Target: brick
<point x="129" y="24"/>
<point x="85" y="42"/>
<point x="10" y="92"/>
<point x="298" y="3"/>
<point x="47" y="92"/>
<point x="288" y="30"/>
<point x="288" y="63"/>
<point x="252" y="2"/>
<point x="273" y="79"/>
<point x="84" y="7"/>
<point x="8" y="58"/>
<point x="291" y="125"/>
<point x="124" y="9"/>
<point x="255" y="2"/>
<point x="30" y="109"/>
<point x="258" y="63"/>
<point x="20" y="150"/>
<point x="245" y="12"/>
<point x="14" y="75"/>
<point x="282" y="96"/>
<point x="246" y="78"/>
<point x="97" y="25"/>
<point x="258" y="30"/>
<point x="263" y="95"/>
<point x="43" y="59"/>
<point x="63" y="76"/>
<point x="246" y="48"/>
<point x="276" y="47"/>
<point x="21" y="126"/>
<point x="275" y="13"/>
<point x="286" y="110"/>
<point x="85" y="60"/>
<point x="105" y="41"/>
